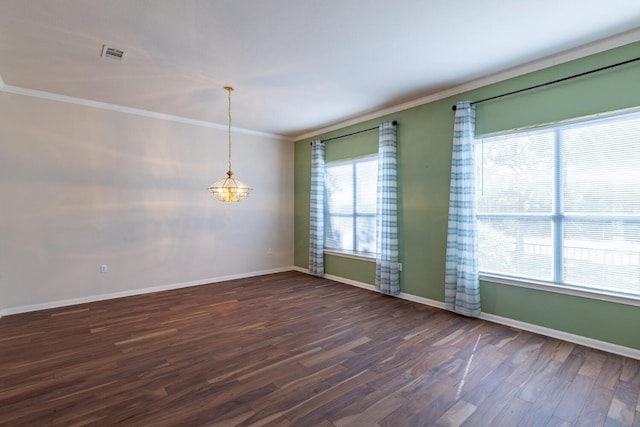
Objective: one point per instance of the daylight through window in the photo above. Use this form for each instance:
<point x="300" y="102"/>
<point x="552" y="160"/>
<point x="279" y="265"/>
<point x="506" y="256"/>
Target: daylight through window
<point x="351" y="205"/>
<point x="562" y="204"/>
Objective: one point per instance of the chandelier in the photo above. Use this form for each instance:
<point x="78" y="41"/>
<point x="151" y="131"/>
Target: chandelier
<point x="229" y="189"/>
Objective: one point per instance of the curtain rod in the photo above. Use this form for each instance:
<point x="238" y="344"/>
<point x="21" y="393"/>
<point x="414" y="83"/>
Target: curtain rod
<point x="395" y="123"/>
<point x="554" y="81"/>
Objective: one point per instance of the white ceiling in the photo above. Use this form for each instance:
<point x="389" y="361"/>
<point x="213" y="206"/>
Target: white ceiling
<point x="297" y="65"/>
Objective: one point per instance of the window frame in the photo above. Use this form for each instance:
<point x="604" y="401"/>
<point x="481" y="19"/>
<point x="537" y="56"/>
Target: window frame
<point x="361" y="255"/>
<point x="558" y="218"/>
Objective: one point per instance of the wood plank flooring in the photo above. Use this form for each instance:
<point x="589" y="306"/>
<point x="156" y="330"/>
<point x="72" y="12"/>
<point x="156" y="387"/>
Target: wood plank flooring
<point x="290" y="349"/>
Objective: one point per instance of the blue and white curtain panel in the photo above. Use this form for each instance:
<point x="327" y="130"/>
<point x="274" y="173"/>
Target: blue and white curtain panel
<point x="462" y="287"/>
<point x="316" y="220"/>
<point x="387" y="268"/>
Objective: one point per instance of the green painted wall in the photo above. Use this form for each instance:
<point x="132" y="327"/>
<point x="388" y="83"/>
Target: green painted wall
<point x="425" y="136"/>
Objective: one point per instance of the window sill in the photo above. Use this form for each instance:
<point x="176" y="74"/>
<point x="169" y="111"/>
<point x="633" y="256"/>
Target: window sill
<point x="352" y="255"/>
<point x="602" y="295"/>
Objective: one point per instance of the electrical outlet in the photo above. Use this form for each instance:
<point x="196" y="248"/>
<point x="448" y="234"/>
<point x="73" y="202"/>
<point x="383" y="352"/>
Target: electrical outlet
<point x="103" y="268"/>
<point x="269" y="251"/>
<point x="399" y="266"/>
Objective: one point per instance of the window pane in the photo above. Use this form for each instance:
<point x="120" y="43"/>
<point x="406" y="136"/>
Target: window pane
<point x="339" y="187"/>
<point x="603" y="254"/>
<point x="598" y="182"/>
<point x="351" y="205"/>
<point x="516" y="247"/>
<point x="601" y="167"/>
<point x="367" y="174"/>
<point x="514" y="174"/>
<point x="366" y="234"/>
<point x="339" y="234"/>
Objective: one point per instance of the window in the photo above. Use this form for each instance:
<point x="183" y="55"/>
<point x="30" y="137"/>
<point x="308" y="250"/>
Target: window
<point x="350" y="211"/>
<point x="562" y="204"/>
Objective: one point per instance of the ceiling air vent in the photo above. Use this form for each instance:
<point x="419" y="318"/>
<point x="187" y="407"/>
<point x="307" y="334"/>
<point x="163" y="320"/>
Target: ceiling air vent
<point x="112" y="52"/>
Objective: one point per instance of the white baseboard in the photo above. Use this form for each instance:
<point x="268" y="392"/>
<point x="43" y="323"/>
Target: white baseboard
<point x="530" y="327"/>
<point x="408" y="297"/>
<point x="102" y="297"/>
<point x="554" y="333"/>
<point x="565" y="336"/>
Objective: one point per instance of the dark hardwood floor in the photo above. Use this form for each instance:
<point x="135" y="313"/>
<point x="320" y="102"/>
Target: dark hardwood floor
<point x="291" y="349"/>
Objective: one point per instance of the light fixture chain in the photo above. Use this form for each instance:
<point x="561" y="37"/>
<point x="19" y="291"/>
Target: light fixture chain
<point x="229" y="89"/>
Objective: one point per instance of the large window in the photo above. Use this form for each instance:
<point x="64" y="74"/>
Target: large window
<point x="351" y="205"/>
<point x="562" y="204"/>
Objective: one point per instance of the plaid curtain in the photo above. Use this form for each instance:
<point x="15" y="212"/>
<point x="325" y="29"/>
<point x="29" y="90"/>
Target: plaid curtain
<point x="462" y="288"/>
<point x="316" y="220"/>
<point x="387" y="271"/>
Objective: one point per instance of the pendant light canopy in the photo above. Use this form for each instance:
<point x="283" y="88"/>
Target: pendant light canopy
<point x="229" y="189"/>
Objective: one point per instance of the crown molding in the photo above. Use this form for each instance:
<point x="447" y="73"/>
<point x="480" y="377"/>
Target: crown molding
<point x="128" y="110"/>
<point x="549" y="61"/>
<point x="569" y="55"/>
